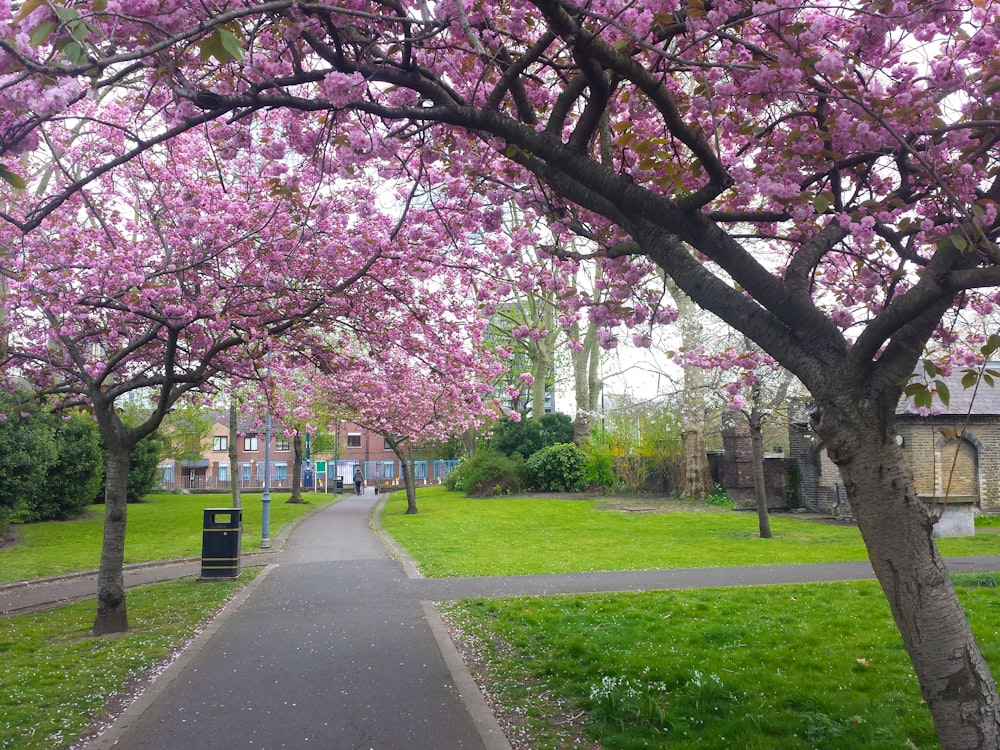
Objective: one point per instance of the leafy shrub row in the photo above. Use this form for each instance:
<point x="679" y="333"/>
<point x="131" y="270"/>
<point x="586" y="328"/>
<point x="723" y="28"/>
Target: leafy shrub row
<point x="52" y="467"/>
<point x="555" y="468"/>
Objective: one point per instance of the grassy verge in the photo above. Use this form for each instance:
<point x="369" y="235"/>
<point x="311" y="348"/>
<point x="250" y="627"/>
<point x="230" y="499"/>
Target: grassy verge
<point x="159" y="528"/>
<point x="58" y="680"/>
<point x="457" y="536"/>
<point x="810" y="666"/>
<point x="817" y="666"/>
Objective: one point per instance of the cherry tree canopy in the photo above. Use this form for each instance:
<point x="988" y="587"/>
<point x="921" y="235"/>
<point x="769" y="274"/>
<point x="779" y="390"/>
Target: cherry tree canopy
<point x="822" y="176"/>
<point x="185" y="264"/>
<point x="417" y="399"/>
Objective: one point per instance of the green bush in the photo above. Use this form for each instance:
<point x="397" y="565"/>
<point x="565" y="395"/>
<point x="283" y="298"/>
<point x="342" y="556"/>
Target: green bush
<point x="75" y="473"/>
<point x="487" y="473"/>
<point x="27" y="449"/>
<point x="141" y="468"/>
<point x="528" y="436"/>
<point x="599" y="467"/>
<point x="50" y="464"/>
<point x="512" y="438"/>
<point x="557" y="468"/>
<point x="556" y="428"/>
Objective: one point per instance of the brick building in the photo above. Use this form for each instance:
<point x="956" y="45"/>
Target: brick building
<point x="356" y="446"/>
<point x="733" y="468"/>
<point x="953" y="453"/>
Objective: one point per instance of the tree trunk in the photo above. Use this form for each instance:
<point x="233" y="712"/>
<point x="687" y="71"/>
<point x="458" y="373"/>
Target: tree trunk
<point x="410" y="484"/>
<point x="697" y="477"/>
<point x="587" y="382"/>
<point x="469" y="442"/>
<point x="112" y="615"/>
<point x="696" y="480"/>
<point x="896" y="527"/>
<point x="296" y="469"/>
<point x="540" y="368"/>
<point x="234" y="465"/>
<point x="541" y="364"/>
<point x="406" y="469"/>
<point x="759" y="486"/>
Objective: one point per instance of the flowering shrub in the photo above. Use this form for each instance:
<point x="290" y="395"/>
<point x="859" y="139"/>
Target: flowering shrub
<point x="599" y="468"/>
<point x="721" y="499"/>
<point x="621" y="702"/>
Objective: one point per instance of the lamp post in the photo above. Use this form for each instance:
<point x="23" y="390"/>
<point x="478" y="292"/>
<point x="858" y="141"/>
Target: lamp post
<point x="265" y="521"/>
<point x="336" y="458"/>
<point x="307" y="478"/>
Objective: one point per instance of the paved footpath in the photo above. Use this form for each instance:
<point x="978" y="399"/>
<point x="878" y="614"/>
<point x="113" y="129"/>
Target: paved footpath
<point x="328" y="649"/>
<point x="336" y="645"/>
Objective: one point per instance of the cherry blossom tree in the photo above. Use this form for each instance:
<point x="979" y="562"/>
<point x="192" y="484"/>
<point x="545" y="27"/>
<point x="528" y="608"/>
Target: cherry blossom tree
<point x="822" y="177"/>
<point x="179" y="269"/>
<point x="430" y="383"/>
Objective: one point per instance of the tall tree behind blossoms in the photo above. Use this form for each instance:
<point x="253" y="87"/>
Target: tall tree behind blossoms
<point x="753" y="386"/>
<point x="822" y="177"/>
<point x="556" y="289"/>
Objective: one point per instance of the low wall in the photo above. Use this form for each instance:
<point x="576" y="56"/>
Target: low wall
<point x="956" y="515"/>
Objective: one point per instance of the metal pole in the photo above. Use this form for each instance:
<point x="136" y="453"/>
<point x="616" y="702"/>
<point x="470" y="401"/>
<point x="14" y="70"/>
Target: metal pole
<point x="336" y="458"/>
<point x="309" y="479"/>
<point x="265" y="522"/>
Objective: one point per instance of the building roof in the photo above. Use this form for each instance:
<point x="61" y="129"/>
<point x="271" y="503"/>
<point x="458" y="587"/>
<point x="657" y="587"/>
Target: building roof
<point x="981" y="400"/>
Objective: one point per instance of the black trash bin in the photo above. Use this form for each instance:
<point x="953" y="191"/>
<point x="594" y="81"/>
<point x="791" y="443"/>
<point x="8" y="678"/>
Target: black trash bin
<point x="340" y="484"/>
<point x="220" y="543"/>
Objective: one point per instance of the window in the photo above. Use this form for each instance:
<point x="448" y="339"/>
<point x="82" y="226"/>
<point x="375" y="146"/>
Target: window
<point x="244" y="472"/>
<point x="223" y="472"/>
<point x="280" y="472"/>
<point x="220" y="443"/>
<point x="353" y="439"/>
<point x="281" y="444"/>
<point x="385" y="445"/>
<point x="250" y="443"/>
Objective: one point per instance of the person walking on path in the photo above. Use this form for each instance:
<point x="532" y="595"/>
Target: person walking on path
<point x="358" y="479"/>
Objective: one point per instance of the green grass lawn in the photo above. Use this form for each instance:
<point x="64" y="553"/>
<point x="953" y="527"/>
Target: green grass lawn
<point x="453" y="535"/>
<point x="159" y="528"/>
<point x="57" y="680"/>
<point x="810" y="666"/>
<point x="818" y="666"/>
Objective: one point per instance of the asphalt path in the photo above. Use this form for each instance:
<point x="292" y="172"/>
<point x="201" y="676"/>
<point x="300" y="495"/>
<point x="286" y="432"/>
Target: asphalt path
<point x="337" y="644"/>
<point x="329" y="649"/>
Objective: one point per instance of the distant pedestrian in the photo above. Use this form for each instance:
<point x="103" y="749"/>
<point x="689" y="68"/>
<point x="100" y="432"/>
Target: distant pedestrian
<point x="358" y="479"/>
